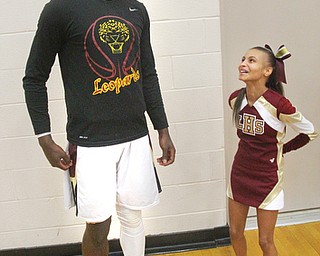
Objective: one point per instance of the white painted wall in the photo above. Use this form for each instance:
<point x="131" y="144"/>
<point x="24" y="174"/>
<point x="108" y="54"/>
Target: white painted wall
<point x="186" y="42"/>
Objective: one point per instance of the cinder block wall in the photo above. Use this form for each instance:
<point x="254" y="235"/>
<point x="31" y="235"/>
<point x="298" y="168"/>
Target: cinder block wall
<point x="186" y="42"/>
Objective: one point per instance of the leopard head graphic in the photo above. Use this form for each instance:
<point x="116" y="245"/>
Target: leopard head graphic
<point x="115" y="34"/>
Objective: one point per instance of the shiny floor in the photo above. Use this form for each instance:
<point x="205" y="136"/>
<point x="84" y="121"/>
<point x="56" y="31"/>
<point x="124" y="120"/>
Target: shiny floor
<point x="294" y="240"/>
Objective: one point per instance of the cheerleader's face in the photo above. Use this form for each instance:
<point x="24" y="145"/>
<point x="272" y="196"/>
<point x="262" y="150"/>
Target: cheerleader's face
<point x="254" y="67"/>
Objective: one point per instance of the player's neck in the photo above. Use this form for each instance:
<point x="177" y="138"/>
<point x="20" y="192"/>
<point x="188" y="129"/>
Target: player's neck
<point x="254" y="92"/>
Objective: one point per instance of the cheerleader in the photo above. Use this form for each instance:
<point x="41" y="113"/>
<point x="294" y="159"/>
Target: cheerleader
<point x="261" y="114"/>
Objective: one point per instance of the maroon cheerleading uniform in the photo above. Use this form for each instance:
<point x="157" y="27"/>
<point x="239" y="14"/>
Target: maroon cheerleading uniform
<point x="257" y="171"/>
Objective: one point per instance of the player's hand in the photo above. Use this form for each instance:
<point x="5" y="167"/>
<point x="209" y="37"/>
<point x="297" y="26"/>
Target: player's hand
<point x="56" y="156"/>
<point x="168" y="149"/>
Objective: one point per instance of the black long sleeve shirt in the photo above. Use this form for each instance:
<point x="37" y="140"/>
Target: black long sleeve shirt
<point x="107" y="67"/>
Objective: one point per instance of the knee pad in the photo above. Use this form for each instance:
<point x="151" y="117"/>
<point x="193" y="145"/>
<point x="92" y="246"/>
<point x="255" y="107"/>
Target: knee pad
<point x="130" y="220"/>
<point x="132" y="238"/>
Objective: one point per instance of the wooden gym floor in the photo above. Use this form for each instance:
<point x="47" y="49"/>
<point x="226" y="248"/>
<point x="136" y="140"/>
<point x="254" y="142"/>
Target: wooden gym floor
<point x="294" y="240"/>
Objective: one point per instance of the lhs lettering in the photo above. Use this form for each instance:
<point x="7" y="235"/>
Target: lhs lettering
<point x="249" y="124"/>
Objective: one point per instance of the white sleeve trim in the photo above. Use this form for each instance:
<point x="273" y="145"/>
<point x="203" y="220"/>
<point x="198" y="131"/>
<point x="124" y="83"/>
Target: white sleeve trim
<point x="43" y="134"/>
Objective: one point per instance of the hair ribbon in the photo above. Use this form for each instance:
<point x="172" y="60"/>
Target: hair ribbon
<point x="280" y="56"/>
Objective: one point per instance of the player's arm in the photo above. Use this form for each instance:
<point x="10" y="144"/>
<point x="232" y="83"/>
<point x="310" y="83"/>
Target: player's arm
<point x="56" y="156"/>
<point x="153" y="98"/>
<point x="46" y="44"/>
<point x="168" y="149"/>
<point x="305" y="129"/>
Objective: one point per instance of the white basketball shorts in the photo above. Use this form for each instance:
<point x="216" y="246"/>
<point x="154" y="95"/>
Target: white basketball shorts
<point x="121" y="174"/>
